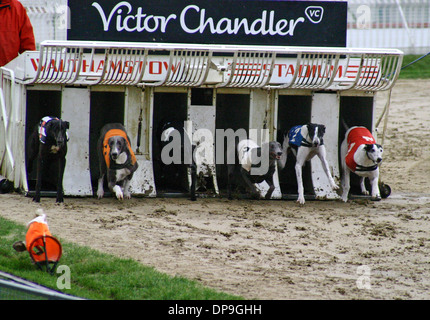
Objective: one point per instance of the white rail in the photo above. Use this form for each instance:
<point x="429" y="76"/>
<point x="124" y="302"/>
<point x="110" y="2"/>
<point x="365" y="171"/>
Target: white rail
<point x="166" y="64"/>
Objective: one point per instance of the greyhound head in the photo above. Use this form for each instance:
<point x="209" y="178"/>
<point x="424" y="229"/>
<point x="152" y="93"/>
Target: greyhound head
<point x="316" y="133"/>
<point x="374" y="152"/>
<point x="275" y="150"/>
<point x="56" y="133"/>
<point x="117" y="146"/>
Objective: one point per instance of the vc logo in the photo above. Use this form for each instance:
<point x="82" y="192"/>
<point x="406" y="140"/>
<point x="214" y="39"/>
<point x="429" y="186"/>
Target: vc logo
<point x="314" y="13"/>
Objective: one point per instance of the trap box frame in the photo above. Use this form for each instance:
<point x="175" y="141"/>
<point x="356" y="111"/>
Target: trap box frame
<point x="91" y="82"/>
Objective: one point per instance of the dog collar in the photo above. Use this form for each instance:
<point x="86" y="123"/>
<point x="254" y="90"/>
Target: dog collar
<point x="306" y="143"/>
<point x="117" y="166"/>
<point x="363" y="168"/>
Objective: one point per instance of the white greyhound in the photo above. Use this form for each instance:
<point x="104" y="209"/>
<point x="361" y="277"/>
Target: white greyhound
<point x="362" y="155"/>
<point x="306" y="141"/>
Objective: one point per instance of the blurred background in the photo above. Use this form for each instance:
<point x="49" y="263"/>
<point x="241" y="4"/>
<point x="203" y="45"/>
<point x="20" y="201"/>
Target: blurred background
<point x="399" y="24"/>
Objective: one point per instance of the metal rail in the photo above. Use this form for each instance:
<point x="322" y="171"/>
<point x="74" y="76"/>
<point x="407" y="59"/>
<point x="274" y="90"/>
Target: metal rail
<point x="167" y="64"/>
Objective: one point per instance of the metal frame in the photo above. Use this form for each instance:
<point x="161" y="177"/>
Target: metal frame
<point x="316" y="68"/>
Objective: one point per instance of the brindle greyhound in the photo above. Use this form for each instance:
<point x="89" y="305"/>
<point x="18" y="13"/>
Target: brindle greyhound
<point x="249" y="154"/>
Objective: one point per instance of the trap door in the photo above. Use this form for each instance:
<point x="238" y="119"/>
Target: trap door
<point x="232" y="112"/>
<point x="293" y="108"/>
<point x="261" y="130"/>
<point x="356" y="110"/>
<point x="325" y="110"/>
<point x="201" y="114"/>
<point x="75" y="106"/>
<point x="169" y="104"/>
<point x="138" y="122"/>
<point x="40" y="102"/>
<point x="107" y="106"/>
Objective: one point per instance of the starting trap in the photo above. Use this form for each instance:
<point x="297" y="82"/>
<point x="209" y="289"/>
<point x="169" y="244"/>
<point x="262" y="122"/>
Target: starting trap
<point x="89" y="83"/>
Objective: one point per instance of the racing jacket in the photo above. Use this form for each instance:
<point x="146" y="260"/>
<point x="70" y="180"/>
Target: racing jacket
<point x="357" y="137"/>
<point x="106" y="148"/>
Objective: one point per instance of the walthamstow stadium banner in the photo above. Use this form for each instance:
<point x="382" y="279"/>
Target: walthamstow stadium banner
<point x="251" y="22"/>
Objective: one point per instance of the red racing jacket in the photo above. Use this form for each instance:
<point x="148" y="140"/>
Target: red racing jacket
<point x="356" y="137"/>
<point x="16" y="31"/>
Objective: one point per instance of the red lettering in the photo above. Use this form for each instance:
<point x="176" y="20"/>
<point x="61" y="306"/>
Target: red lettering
<point x="174" y="68"/>
<point x="100" y="66"/>
<point x="85" y="66"/>
<point x="153" y="65"/>
<point x="52" y="65"/>
<point x="290" y="70"/>
<point x="114" y="66"/>
<point x="128" y="67"/>
<point x="34" y="64"/>
<point x="279" y="67"/>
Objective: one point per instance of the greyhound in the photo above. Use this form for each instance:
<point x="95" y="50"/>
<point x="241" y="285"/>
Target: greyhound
<point x="248" y="153"/>
<point x="362" y="155"/>
<point x="116" y="160"/>
<point x="167" y="131"/>
<point x="306" y="141"/>
<point x="48" y="144"/>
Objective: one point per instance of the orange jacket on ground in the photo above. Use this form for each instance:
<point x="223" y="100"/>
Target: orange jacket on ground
<point x="16" y="31"/>
<point x="35" y="230"/>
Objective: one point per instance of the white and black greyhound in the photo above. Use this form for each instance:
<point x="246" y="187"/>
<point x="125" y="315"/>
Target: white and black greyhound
<point x="116" y="160"/>
<point x="362" y="155"/>
<point x="250" y="155"/>
<point x="306" y="141"/>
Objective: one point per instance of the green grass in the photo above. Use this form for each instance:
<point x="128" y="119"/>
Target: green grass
<point x="100" y="276"/>
<point x="418" y="70"/>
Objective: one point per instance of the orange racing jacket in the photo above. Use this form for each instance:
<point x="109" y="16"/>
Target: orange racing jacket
<point x="106" y="148"/>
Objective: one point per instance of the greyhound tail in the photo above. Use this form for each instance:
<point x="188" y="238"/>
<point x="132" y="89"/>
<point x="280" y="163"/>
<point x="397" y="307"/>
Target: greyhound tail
<point x="345" y="126"/>
<point x="283" y="160"/>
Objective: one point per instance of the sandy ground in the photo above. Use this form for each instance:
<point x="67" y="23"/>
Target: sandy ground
<point x="278" y="249"/>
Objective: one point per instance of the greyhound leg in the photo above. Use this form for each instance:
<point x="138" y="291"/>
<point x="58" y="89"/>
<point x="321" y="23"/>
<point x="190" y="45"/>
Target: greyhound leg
<point x="323" y="158"/>
<point x="345" y="184"/>
<point x="230" y="173"/>
<point x="193" y="168"/>
<point x="36" y="197"/>
<point x="60" y="191"/>
<point x="100" y="191"/>
<point x="118" y="192"/>
<point x="363" y="187"/>
<point x="269" y="181"/>
<point x="300" y="161"/>
<point x="249" y="184"/>
<point x="127" y="194"/>
<point x="300" y="190"/>
<point x="375" y="187"/>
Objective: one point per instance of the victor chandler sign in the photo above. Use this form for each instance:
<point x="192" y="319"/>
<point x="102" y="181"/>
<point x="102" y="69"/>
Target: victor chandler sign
<point x="292" y="23"/>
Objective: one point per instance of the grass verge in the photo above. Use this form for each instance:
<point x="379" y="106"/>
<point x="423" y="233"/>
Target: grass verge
<point x="100" y="276"/>
<point x="418" y="70"/>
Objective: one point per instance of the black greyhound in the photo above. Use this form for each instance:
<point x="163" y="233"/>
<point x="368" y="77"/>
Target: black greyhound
<point x="167" y="133"/>
<point x="48" y="144"/>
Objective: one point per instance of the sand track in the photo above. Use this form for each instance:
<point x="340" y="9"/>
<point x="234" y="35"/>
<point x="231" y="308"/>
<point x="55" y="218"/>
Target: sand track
<point x="278" y="249"/>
